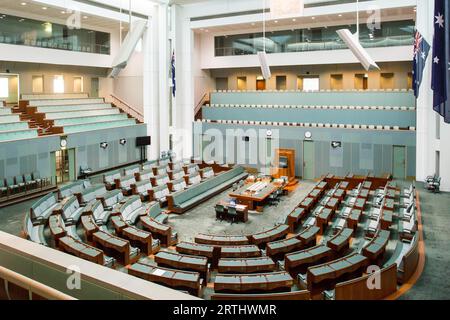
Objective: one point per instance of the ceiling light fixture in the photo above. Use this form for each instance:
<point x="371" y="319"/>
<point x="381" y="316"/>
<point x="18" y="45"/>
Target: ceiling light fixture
<point x="262" y="55"/>
<point x="352" y="41"/>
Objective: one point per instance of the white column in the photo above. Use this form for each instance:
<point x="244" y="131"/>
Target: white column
<point x="184" y="103"/>
<point x="163" y="80"/>
<point x="151" y="86"/>
<point x="426" y="119"/>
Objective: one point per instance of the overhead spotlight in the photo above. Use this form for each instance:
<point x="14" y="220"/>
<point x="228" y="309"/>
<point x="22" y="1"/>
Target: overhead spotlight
<point x="355" y="46"/>
<point x="123" y="142"/>
<point x="104" y="145"/>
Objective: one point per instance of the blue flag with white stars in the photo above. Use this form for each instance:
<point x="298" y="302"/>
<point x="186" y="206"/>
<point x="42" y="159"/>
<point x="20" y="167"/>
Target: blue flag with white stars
<point x="441" y="59"/>
<point x="421" y="51"/>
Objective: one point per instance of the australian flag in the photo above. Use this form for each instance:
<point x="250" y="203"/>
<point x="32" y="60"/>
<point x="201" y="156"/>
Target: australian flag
<point x="441" y="59"/>
<point x="173" y="72"/>
<point x="421" y="51"/>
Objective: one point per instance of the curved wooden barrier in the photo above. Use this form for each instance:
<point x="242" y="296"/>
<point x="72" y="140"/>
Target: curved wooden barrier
<point x="294" y="295"/>
<point x="409" y="262"/>
<point x="357" y="289"/>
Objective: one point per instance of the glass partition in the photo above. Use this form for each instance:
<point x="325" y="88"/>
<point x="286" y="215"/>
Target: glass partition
<point x="396" y="33"/>
<point x="34" y="33"/>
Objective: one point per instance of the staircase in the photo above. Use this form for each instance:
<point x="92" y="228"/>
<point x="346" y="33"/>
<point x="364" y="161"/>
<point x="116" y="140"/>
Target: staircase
<point x="46" y="127"/>
<point x="198" y="109"/>
<point x="126" y="108"/>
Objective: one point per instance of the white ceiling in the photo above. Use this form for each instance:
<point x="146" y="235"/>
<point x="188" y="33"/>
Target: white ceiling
<point x="34" y="10"/>
<point x="309" y="22"/>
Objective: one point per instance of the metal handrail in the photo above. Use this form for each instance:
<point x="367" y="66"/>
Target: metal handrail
<point x="32" y="286"/>
<point x="125" y="107"/>
<point x="201" y="103"/>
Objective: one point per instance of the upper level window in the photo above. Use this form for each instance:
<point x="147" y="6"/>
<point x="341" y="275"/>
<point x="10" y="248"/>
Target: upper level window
<point x="34" y="33"/>
<point x="58" y="84"/>
<point x="392" y="33"/>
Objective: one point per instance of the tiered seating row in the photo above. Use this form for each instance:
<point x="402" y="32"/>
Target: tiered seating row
<point x="12" y="128"/>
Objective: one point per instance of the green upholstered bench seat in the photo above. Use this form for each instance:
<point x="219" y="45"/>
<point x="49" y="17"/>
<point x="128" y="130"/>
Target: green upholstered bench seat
<point x="77" y="107"/>
<point x="157" y="214"/>
<point x="64" y="102"/>
<point x="184" y="200"/>
<point x="18" y="135"/>
<point x="77" y="113"/>
<point x="54" y="96"/>
<point x="13" y="126"/>
<point x="3" y="110"/>
<point x="8" y="118"/>
<point x="99" y="126"/>
<point x="93" y="119"/>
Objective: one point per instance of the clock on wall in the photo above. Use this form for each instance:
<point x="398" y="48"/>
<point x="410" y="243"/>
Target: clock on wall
<point x="63" y="143"/>
<point x="308" y="135"/>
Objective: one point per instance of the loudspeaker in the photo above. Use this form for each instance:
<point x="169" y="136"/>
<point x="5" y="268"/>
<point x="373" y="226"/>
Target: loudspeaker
<point x="143" y="141"/>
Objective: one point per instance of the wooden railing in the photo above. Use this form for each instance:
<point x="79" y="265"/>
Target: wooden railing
<point x="125" y="107"/>
<point x="30" y="286"/>
<point x="198" y="107"/>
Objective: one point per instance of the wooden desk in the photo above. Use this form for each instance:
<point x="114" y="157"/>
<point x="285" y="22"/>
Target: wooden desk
<point x="353" y="219"/>
<point x="266" y="282"/>
<point x="221" y="240"/>
<point x="329" y="273"/>
<point x="195" y="249"/>
<point x="307" y="204"/>
<point x="322" y="185"/>
<point x="298" y="262"/>
<point x="89" y="226"/>
<point x="55" y="224"/>
<point x="81" y="250"/>
<point x="247" y="265"/>
<point x="363" y="194"/>
<point x="308" y="237"/>
<point x="159" y="231"/>
<point x="113" y="246"/>
<point x="247" y="251"/>
<point x="262" y="238"/>
<point x="176" y="279"/>
<point x="254" y="198"/>
<point x="139" y="238"/>
<point x="278" y="249"/>
<point x="294" y="218"/>
<point x="324" y="217"/>
<point x="375" y="249"/>
<point x="367" y="185"/>
<point x="340" y="241"/>
<point x="184" y="262"/>
<point x="241" y="210"/>
<point x="386" y="219"/>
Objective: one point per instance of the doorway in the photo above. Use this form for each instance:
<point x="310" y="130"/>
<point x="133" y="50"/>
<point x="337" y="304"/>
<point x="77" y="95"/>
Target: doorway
<point x="242" y="83"/>
<point x="308" y="160"/>
<point x="9" y="89"/>
<point x="95" y="87"/>
<point x="399" y="162"/>
<point x="361" y="81"/>
<point x="64" y="165"/>
<point x="260" y="84"/>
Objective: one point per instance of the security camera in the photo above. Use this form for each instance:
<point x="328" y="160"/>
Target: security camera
<point x="265" y="69"/>
<point x="104" y="145"/>
<point x="123" y="142"/>
<point x="355" y="46"/>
